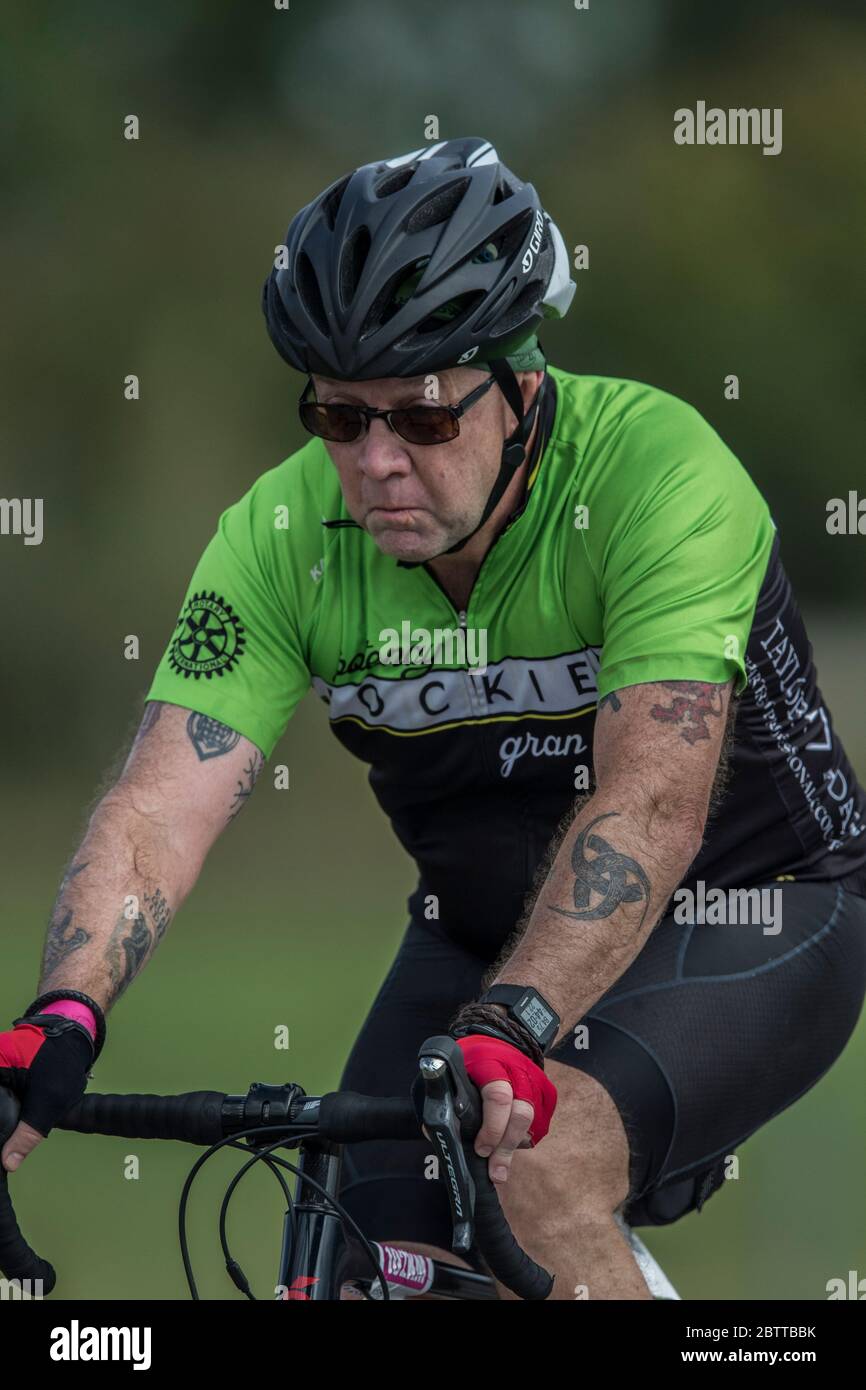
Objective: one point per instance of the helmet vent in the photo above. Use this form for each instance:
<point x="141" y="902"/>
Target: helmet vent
<point x="438" y="208"/>
<point x="507" y="242"/>
<point x="524" y="307"/>
<point x="451" y="314"/>
<point x="503" y="191"/>
<point x="308" y="290"/>
<point x="352" y="262"/>
<point x="395" y="180"/>
<point x="331" y="202"/>
<point x="388" y="301"/>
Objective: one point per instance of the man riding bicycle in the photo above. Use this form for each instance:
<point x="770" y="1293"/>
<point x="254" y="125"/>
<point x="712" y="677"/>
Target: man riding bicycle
<point x="549" y="611"/>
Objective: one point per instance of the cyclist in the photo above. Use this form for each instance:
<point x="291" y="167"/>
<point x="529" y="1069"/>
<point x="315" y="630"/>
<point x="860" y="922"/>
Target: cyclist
<point x="641" y="891"/>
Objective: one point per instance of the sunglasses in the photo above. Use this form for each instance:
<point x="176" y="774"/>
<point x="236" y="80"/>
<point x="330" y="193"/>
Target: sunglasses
<point x="417" y="424"/>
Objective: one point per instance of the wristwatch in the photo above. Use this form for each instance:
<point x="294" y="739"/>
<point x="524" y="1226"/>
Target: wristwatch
<point x="529" y="1008"/>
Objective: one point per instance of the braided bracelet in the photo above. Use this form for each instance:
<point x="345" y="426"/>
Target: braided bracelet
<point x="488" y="1018"/>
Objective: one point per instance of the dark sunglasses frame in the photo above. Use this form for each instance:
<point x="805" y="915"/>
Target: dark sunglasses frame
<point x="363" y="414"/>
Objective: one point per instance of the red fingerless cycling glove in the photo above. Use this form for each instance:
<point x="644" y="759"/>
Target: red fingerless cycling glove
<point x="488" y="1059"/>
<point x="46" y="1066"/>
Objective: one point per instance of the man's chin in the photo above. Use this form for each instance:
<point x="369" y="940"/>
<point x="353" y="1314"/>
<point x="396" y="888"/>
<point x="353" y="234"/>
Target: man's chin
<point x="403" y="542"/>
<point x="404" y="545"/>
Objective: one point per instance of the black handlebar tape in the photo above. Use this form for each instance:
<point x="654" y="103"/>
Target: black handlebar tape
<point x="195" y="1117"/>
<point x="508" y="1262"/>
<point x="348" y="1118"/>
<point x="17" y="1259"/>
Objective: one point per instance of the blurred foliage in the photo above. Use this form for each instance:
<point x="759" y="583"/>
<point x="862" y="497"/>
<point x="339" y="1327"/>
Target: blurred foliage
<point x="148" y="257"/>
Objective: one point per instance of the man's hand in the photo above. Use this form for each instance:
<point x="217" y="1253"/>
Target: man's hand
<point x="45" y="1063"/>
<point x="518" y="1100"/>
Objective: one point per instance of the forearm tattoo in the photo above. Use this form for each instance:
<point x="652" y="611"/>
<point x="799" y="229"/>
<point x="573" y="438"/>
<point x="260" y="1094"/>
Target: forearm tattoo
<point x="159" y="910"/>
<point x="246" y="784"/>
<point x="62" y="938"/>
<point x="693" y="703"/>
<point x="610" y="878"/>
<point x="126" y="952"/>
<point x="130" y="942"/>
<point x="209" y="737"/>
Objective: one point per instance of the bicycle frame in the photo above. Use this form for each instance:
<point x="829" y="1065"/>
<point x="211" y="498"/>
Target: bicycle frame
<point x="318" y="1257"/>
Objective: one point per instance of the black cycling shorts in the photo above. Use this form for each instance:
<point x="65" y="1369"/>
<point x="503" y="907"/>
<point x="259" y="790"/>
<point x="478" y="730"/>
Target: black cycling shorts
<point x="710" y="1032"/>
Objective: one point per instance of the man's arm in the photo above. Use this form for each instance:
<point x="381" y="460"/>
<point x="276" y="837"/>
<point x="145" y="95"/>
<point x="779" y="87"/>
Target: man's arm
<point x="186" y="777"/>
<point x="656" y="754"/>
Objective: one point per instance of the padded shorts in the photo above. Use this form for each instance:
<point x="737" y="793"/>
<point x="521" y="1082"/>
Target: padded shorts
<point x="710" y="1032"/>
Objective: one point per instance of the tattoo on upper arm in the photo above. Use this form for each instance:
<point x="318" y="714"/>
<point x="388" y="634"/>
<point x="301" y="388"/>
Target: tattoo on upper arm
<point x="693" y="702"/>
<point x="209" y="737"/>
<point x="246" y="784"/>
<point x="610" y="877"/>
<point x="612" y="700"/>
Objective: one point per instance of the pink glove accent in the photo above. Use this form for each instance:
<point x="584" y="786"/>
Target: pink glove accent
<point x="487" y="1059"/>
<point x="72" y="1009"/>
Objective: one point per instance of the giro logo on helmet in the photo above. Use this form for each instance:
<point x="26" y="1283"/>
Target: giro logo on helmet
<point x="467" y="355"/>
<point x="534" y="246"/>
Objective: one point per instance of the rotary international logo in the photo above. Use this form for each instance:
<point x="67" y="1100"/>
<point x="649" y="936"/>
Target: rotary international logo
<point x="208" y="639"/>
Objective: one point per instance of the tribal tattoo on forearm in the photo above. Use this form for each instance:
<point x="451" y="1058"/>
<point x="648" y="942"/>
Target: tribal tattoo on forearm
<point x="603" y="883"/>
<point x="246" y="784"/>
<point x="209" y="737"/>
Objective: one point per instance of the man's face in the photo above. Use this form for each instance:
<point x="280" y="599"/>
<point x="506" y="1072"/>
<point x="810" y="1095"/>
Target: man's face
<point x="416" y="500"/>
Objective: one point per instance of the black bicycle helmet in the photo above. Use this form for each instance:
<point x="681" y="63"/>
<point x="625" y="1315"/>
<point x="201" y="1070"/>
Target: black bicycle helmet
<point x="412" y="265"/>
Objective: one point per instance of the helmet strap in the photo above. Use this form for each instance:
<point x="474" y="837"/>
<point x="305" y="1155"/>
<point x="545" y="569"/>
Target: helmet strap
<point x="514" y="448"/>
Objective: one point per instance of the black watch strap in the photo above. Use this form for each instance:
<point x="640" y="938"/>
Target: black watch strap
<point x="527" y="1007"/>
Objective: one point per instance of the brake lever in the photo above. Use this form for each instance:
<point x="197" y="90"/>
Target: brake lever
<point x="449" y="1107"/>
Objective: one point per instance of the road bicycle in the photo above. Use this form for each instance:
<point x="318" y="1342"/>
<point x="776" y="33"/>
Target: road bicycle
<point x="323" y="1251"/>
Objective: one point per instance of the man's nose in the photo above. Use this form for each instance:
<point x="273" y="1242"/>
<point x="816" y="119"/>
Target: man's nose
<point x="382" y="451"/>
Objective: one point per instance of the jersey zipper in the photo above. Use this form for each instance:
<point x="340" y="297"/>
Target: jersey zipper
<point x="461" y="616"/>
<point x="474" y="702"/>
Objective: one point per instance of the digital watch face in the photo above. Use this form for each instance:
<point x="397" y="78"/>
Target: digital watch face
<point x="536" y="1017"/>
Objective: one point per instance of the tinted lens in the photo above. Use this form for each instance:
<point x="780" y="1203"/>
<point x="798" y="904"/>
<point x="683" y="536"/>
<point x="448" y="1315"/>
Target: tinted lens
<point x="425" y="424"/>
<point x="341" y="423"/>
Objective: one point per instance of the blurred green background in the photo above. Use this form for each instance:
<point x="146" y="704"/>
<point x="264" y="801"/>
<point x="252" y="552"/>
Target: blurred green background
<point x="148" y="257"/>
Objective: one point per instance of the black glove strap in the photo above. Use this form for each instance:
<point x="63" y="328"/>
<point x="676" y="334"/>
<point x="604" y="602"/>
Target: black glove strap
<point x="53" y="997"/>
<point x="53" y="1025"/>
